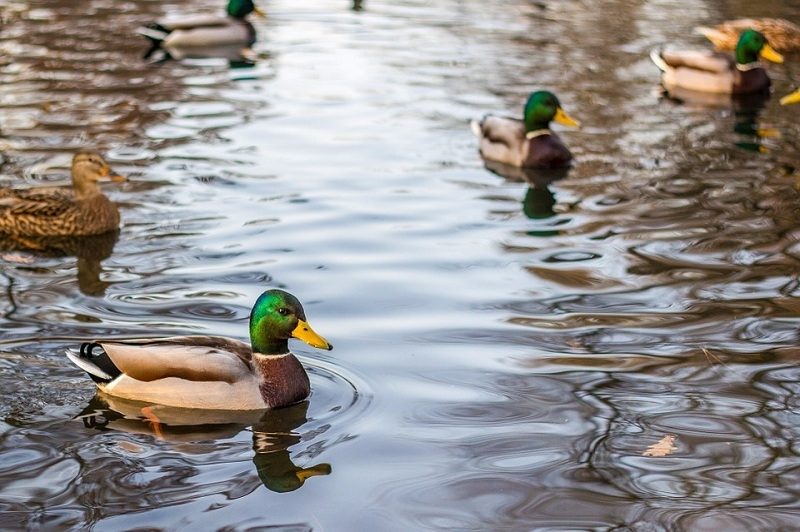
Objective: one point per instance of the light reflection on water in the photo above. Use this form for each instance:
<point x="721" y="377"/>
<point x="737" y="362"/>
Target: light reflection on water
<point x="505" y="351"/>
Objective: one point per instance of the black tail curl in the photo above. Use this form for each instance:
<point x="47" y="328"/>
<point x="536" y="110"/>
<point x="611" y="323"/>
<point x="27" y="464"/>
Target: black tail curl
<point x="99" y="359"/>
<point x="155" y="53"/>
<point x="86" y="350"/>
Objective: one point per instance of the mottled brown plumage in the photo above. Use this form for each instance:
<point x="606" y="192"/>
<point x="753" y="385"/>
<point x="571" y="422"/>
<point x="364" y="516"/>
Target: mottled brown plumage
<point x="82" y="210"/>
<point x="782" y="35"/>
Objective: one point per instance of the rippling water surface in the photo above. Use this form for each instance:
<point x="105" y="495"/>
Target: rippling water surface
<point x="505" y="353"/>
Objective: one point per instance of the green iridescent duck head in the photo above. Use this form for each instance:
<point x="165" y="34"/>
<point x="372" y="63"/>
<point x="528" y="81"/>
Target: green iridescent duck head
<point x="542" y="108"/>
<point x="276" y="317"/>
<point x="752" y="45"/>
<point x="242" y="8"/>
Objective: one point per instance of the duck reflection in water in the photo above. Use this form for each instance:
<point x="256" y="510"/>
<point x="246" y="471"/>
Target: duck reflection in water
<point x="746" y="109"/>
<point x="539" y="199"/>
<point x="272" y="437"/>
<point x="90" y="251"/>
<point x="274" y="431"/>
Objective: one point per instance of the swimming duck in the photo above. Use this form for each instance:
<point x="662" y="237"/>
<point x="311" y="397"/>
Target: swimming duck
<point x="210" y="372"/>
<point x="781" y="34"/>
<point x="716" y="72"/>
<point x="52" y="211"/>
<point x="204" y="35"/>
<point x="792" y="97"/>
<point x="527" y="143"/>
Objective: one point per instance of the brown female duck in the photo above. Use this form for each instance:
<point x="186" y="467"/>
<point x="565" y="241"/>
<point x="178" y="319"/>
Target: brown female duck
<point x="782" y="35"/>
<point x="47" y="211"/>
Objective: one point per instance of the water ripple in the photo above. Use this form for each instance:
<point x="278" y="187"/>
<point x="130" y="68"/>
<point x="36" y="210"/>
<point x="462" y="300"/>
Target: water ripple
<point x="515" y="359"/>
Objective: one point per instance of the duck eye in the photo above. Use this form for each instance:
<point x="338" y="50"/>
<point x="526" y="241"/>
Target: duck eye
<point x="283" y="311"/>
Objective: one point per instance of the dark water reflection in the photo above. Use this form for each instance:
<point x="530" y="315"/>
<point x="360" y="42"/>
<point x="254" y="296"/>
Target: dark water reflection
<point x="539" y="199"/>
<point x="273" y="433"/>
<point x="89" y="252"/>
<point x="508" y="346"/>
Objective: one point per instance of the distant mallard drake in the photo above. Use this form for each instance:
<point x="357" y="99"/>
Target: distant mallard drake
<point x="52" y="211"/>
<point x="526" y="143"/>
<point x="204" y="35"/>
<point x="717" y="72"/>
<point x="210" y="372"/>
<point x="792" y="97"/>
<point x="782" y="35"/>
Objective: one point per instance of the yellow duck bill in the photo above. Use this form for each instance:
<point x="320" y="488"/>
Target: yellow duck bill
<point x="304" y="332"/>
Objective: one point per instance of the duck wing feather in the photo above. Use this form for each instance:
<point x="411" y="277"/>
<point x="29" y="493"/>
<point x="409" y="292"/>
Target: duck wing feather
<point x="193" y="358"/>
<point x="704" y="60"/>
<point x="208" y="20"/>
<point x="45" y="202"/>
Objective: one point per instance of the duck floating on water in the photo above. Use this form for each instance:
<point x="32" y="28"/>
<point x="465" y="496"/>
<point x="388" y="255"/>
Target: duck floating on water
<point x="781" y="34"/>
<point x="203" y="35"/>
<point x="210" y="372"/>
<point x="717" y="72"/>
<point x="56" y="211"/>
<point x="526" y="143"/>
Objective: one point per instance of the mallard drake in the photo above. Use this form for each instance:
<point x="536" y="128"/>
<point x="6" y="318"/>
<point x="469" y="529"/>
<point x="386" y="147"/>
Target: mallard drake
<point x="529" y="142"/>
<point x="781" y="34"/>
<point x="52" y="211"/>
<point x="210" y="372"/>
<point x="717" y="72"/>
<point x="204" y="35"/>
<point x="792" y="97"/>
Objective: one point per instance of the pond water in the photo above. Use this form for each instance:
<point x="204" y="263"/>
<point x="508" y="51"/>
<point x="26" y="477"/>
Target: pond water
<point x="505" y="354"/>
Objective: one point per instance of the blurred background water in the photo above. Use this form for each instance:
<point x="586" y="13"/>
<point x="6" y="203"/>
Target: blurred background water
<point x="505" y="353"/>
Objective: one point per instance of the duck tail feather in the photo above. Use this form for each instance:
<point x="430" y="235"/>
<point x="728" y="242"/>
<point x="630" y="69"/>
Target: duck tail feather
<point x="662" y="65"/>
<point x="156" y="54"/>
<point x="98" y="365"/>
<point x="153" y="31"/>
<point x="475" y="126"/>
<point x="156" y="34"/>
